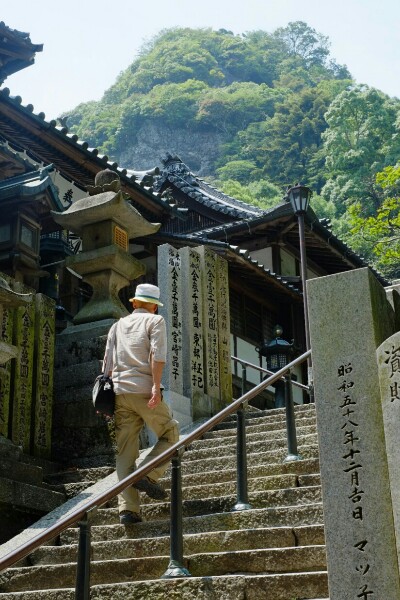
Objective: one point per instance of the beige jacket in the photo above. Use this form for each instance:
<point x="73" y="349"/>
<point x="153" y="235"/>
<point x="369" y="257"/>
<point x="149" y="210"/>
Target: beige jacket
<point x="139" y="337"/>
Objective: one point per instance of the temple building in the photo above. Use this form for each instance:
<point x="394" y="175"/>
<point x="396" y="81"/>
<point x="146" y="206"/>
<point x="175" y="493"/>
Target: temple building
<point x="43" y="167"/>
<point x="55" y="252"/>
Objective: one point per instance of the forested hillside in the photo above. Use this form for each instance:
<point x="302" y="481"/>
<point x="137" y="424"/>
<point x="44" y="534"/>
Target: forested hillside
<point x="254" y="113"/>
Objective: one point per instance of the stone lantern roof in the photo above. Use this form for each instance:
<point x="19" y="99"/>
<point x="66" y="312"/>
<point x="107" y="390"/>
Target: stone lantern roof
<point x="105" y="202"/>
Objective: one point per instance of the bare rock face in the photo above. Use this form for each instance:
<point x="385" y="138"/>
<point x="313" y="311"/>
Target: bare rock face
<point x="198" y="150"/>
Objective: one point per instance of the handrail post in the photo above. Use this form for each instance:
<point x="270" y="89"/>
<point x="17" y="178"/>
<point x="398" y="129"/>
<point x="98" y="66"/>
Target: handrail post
<point x="242" y="502"/>
<point x="82" y="585"/>
<point x="175" y="567"/>
<point x="290" y="421"/>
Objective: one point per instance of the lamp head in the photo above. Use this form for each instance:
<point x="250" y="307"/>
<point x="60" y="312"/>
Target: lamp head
<point x="299" y="196"/>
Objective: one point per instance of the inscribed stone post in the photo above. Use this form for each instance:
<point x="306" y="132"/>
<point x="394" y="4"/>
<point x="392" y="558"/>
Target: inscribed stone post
<point x="24" y="332"/>
<point x="210" y="329"/>
<point x="43" y="380"/>
<point x="349" y="318"/>
<point x="5" y="372"/>
<point x="388" y="357"/>
<point x="170" y="283"/>
<point x="224" y="343"/>
<point x="192" y="328"/>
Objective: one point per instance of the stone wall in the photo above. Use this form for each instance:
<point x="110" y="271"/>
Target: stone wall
<point x="80" y="436"/>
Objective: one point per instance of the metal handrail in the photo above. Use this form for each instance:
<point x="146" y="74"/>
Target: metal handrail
<point x="77" y="515"/>
<point x="306" y="388"/>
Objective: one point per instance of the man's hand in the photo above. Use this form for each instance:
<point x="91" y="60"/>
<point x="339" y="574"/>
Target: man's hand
<point x="155" y="397"/>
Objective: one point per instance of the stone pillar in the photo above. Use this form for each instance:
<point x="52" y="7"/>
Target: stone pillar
<point x="5" y="371"/>
<point x="210" y="319"/>
<point x="44" y="369"/>
<point x="192" y="329"/>
<point x="224" y="339"/>
<point x="388" y="357"/>
<point x="170" y="283"/>
<point x="24" y="332"/>
<point x="349" y="318"/>
<point x="393" y="295"/>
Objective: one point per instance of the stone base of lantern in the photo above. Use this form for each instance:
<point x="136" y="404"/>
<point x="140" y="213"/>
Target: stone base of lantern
<point x="107" y="270"/>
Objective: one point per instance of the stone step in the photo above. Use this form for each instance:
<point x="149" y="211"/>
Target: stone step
<point x="270" y="422"/>
<point x="192" y="508"/>
<point x="300" y="411"/>
<point x="274" y="550"/>
<point x="73" y="489"/>
<point x="78" y="475"/>
<point x="229" y="488"/>
<point x="300" y="468"/>
<point x="284" y="586"/>
<point x="253" y="412"/>
<point x="297" y="469"/>
<point x="203" y="452"/>
<point x="26" y="496"/>
<point x="274" y="560"/>
<point x="281" y="516"/>
<point x="254" y="484"/>
<point x="21" y="471"/>
<point x="211" y="441"/>
<point x="220" y="463"/>
<point x="215" y="541"/>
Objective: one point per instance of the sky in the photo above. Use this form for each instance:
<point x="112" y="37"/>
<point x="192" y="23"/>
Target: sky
<point x="87" y="43"/>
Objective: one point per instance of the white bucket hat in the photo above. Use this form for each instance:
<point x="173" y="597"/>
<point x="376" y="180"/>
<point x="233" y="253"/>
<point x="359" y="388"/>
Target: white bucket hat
<point x="146" y="292"/>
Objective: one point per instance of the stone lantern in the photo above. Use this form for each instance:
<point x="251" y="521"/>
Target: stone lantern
<point x="106" y="222"/>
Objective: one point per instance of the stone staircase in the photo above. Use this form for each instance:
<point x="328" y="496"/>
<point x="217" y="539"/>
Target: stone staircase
<point x="273" y="551"/>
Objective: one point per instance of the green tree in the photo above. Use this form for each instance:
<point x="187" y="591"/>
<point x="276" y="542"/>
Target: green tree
<point x="303" y="41"/>
<point x="379" y="234"/>
<point x="240" y="170"/>
<point x="286" y="146"/>
<point x="263" y="94"/>
<point x="261" y="193"/>
<point x="234" y="107"/>
<point x="358" y="143"/>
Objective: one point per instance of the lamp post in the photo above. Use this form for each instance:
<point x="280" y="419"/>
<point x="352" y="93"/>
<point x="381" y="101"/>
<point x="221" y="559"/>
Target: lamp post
<point x="299" y="196"/>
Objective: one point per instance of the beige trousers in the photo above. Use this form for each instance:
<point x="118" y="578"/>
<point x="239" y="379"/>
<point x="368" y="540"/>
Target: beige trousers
<point x="131" y="412"/>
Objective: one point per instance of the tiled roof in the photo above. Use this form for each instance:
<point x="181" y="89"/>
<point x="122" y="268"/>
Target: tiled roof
<point x="16" y="51"/>
<point x="47" y="142"/>
<point x="320" y="229"/>
<point x="243" y="260"/>
<point x="180" y="176"/>
<point x="30" y="184"/>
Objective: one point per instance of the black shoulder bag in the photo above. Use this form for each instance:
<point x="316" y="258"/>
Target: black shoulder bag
<point x="103" y="394"/>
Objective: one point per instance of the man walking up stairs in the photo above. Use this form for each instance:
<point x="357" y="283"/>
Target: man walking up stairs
<point x="275" y="550"/>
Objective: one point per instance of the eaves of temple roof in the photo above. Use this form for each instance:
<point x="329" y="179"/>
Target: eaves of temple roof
<point x="178" y="174"/>
<point x="243" y="263"/>
<point x="46" y="142"/>
<point x="323" y="247"/>
<point x="30" y="184"/>
<point x="16" y="51"/>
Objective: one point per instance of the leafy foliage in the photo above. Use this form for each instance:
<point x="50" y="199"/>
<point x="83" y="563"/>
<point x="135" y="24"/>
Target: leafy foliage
<point x="208" y="80"/>
<point x="285" y="112"/>
<point x="357" y="144"/>
<point x="380" y="233"/>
